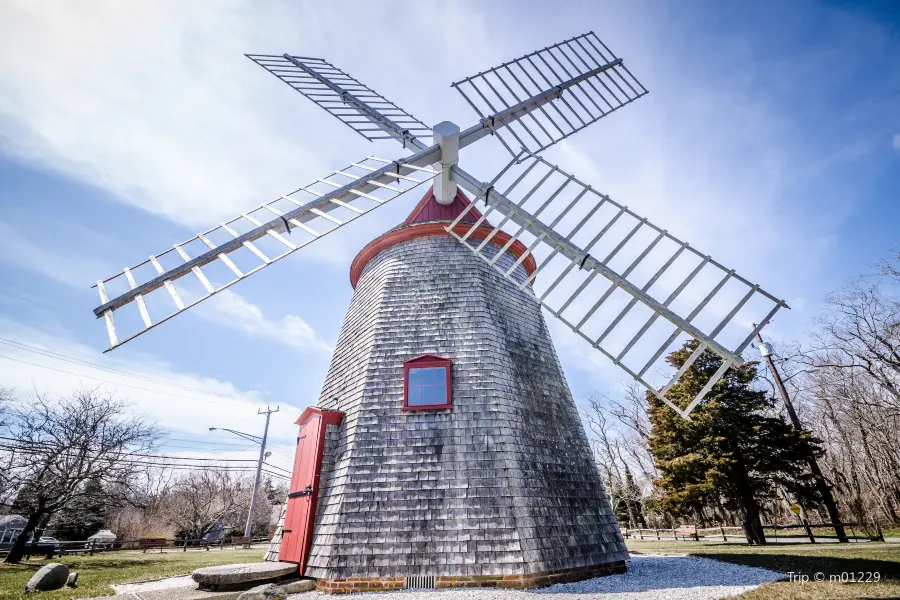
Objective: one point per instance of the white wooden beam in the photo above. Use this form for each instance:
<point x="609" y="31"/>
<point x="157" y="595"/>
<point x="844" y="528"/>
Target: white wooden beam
<point x="446" y="136"/>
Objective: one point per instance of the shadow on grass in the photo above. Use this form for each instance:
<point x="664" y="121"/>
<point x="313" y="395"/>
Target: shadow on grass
<point x="809" y="565"/>
<point x="90" y="565"/>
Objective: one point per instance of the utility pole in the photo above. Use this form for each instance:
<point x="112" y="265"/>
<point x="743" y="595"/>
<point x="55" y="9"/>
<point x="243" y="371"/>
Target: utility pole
<point x="821" y="483"/>
<point x="262" y="454"/>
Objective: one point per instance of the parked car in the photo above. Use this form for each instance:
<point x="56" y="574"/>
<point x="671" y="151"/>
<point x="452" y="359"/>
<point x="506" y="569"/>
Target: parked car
<point x="46" y="546"/>
<point x="46" y="539"/>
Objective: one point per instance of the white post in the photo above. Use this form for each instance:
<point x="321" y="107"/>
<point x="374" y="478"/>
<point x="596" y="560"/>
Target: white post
<point x="446" y="135"/>
<point x="262" y="456"/>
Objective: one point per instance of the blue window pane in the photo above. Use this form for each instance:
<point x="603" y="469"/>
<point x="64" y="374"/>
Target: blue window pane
<point x="427" y="386"/>
<point x="434" y="395"/>
<point x="415" y="396"/>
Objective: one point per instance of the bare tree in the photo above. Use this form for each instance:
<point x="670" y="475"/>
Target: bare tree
<point x="53" y="449"/>
<point x="630" y="412"/>
<point x="860" y="331"/>
<point x="854" y="415"/>
<point x="846" y="382"/>
<point x="144" y="513"/>
<point x="201" y="501"/>
<point x="620" y="451"/>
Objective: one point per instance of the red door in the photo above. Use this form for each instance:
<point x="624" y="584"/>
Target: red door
<point x="301" y="505"/>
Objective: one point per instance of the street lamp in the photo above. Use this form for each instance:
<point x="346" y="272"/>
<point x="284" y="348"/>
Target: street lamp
<point x="262" y="456"/>
<point x="252" y="438"/>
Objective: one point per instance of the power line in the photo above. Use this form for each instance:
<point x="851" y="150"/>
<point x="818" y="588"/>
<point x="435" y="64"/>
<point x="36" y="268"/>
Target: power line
<point x="277" y="455"/>
<point x="196" y="449"/>
<point x="63" y="357"/>
<point x="117" y="383"/>
<point x="138" y="454"/>
<point x="31" y="450"/>
<point x="72" y="359"/>
<point x="209" y="443"/>
<point x="171" y="466"/>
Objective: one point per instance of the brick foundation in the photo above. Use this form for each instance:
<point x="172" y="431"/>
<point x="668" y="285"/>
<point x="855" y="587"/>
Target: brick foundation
<point x="521" y="581"/>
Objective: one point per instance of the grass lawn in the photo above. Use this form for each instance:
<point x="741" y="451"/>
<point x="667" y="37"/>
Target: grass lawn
<point x="99" y="571"/>
<point x="802" y="559"/>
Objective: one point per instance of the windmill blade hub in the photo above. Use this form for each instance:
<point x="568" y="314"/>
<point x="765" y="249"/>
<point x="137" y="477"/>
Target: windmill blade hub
<point x="446" y="136"/>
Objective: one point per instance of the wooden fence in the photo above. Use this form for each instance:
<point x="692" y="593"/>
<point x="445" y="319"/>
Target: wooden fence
<point x="91" y="547"/>
<point x="809" y="531"/>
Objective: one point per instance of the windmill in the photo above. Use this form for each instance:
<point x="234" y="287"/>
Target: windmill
<point x="629" y="288"/>
<point x="446" y="448"/>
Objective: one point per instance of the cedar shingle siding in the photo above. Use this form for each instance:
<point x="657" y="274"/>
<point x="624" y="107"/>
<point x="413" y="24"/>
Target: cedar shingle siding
<point x="501" y="484"/>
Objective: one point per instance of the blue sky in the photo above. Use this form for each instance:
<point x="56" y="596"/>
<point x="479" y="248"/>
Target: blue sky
<point x="770" y="139"/>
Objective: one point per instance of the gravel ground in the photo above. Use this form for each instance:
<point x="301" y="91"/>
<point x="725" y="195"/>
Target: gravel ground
<point x="649" y="577"/>
<point x="159" y="584"/>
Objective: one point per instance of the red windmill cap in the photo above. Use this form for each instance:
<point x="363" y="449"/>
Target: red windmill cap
<point x="429" y="209"/>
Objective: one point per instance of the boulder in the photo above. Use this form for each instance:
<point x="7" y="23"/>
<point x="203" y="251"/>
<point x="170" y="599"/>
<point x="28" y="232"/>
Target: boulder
<point x="51" y="576"/>
<point x="299" y="586"/>
<point x="72" y="580"/>
<point x="268" y="591"/>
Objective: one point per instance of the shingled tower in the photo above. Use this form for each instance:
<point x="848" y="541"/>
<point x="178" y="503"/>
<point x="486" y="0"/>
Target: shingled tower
<point x="448" y="443"/>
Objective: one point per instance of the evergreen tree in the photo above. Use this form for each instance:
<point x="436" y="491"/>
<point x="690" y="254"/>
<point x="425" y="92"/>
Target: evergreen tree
<point x="84" y="516"/>
<point x="734" y="450"/>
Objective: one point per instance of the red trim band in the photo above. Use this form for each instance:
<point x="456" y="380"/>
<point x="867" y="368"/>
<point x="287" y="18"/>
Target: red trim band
<point x="391" y="238"/>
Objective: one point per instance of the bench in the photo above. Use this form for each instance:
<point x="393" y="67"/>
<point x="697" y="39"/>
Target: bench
<point x="150" y="543"/>
<point x="686" y="533"/>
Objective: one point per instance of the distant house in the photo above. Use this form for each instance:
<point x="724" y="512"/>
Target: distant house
<point x="10" y="528"/>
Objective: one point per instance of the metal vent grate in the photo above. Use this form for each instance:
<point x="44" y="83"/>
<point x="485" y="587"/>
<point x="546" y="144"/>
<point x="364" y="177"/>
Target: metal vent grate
<point x="419" y="582"/>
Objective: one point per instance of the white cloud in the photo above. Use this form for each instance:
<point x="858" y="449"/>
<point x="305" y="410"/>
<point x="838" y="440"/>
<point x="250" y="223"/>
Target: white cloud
<point x="71" y="269"/>
<point x="232" y="310"/>
<point x="190" y="405"/>
<point x="156" y="103"/>
<point x="897" y="141"/>
<point x="152" y="101"/>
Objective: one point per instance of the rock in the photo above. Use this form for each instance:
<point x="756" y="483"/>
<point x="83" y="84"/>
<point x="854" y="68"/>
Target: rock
<point x="268" y="591"/>
<point x="233" y="575"/>
<point x="72" y="581"/>
<point x="300" y="586"/>
<point x="51" y="576"/>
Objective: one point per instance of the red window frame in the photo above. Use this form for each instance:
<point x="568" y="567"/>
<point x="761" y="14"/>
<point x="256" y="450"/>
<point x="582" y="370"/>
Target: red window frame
<point x="422" y="362"/>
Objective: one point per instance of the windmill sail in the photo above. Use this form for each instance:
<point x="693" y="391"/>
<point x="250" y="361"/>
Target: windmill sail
<point x="631" y="289"/>
<point x="547" y="95"/>
<point x="345" y="97"/>
<point x="216" y="259"/>
<point x="626" y="286"/>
